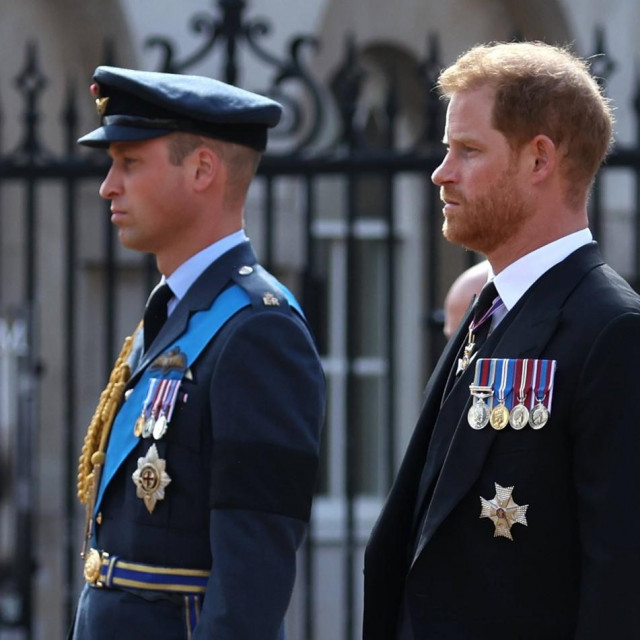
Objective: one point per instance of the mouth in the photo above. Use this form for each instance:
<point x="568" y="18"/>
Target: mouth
<point x="448" y="198"/>
<point x="117" y="215"/>
<point x="449" y="205"/>
<point x="449" y="202"/>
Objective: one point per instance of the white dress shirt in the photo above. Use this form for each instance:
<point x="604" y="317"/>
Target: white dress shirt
<point x="514" y="281"/>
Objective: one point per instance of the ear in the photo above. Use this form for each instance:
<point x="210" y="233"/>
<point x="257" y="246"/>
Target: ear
<point x="543" y="155"/>
<point x="205" y="165"/>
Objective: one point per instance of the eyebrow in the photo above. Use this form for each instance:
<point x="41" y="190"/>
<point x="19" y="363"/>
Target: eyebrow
<point x="463" y="138"/>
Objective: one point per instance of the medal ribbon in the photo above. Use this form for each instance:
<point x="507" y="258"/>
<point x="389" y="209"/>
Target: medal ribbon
<point x="501" y="372"/>
<point x="524" y="382"/>
<point x="158" y="405"/>
<point x="483" y="369"/>
<point x="508" y="391"/>
<point x="495" y="305"/>
<point x="150" y="399"/>
<point x="172" y="396"/>
<point x="492" y="377"/>
<point x="544" y="375"/>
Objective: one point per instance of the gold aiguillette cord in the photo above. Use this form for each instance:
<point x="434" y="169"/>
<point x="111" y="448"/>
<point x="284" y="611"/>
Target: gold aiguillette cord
<point x="95" y="442"/>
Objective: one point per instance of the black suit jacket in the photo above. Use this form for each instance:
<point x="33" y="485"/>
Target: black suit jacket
<point x="242" y="454"/>
<point x="571" y="572"/>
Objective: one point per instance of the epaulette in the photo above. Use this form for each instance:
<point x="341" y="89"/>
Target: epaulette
<point x="263" y="289"/>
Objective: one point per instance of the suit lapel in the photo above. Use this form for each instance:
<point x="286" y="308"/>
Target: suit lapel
<point x="396" y="516"/>
<point x="528" y="329"/>
<point x="441" y="379"/>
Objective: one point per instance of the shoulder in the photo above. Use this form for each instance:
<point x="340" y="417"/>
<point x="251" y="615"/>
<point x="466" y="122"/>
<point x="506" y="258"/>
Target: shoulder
<point x="265" y="292"/>
<point x="602" y="296"/>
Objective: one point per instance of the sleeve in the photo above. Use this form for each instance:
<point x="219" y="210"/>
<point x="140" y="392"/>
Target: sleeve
<point x="267" y="404"/>
<point x="607" y="477"/>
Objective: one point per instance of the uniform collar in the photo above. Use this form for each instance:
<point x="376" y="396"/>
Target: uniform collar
<point x="188" y="272"/>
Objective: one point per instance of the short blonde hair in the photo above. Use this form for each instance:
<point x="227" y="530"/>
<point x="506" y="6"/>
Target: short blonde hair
<point x="541" y="89"/>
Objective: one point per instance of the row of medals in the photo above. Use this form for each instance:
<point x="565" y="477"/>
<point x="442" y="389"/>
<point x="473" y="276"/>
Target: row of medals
<point x="151" y="426"/>
<point x="480" y="414"/>
<point x="157" y="409"/>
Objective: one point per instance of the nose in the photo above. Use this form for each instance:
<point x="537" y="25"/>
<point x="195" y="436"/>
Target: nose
<point x="111" y="185"/>
<point x="444" y="172"/>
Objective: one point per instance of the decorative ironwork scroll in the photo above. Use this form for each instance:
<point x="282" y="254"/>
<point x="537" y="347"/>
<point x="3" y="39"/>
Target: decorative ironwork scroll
<point x="303" y="118"/>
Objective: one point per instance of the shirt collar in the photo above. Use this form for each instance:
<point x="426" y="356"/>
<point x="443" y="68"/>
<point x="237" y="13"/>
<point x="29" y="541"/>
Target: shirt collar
<point x="514" y="281"/>
<point x="188" y="272"/>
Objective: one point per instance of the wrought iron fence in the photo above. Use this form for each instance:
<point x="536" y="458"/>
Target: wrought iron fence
<point x="343" y="217"/>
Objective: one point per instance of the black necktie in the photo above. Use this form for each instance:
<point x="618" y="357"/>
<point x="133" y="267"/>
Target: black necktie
<point x="480" y="324"/>
<point x="155" y="313"/>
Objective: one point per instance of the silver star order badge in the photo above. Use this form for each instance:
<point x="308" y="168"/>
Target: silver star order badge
<point x="151" y="478"/>
<point x="503" y="511"/>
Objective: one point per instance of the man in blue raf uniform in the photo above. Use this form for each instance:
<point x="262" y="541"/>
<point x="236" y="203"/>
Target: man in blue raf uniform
<point x="199" y="466"/>
<point x="515" y="511"/>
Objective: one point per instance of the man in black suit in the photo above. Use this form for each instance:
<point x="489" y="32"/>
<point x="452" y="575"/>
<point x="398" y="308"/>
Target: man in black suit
<point x="515" y="513"/>
<point x="199" y="491"/>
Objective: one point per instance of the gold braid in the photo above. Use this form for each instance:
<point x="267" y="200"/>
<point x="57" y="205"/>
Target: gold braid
<point x="95" y="442"/>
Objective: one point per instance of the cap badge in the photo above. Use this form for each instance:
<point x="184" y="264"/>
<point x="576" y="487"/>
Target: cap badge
<point x="101" y="106"/>
<point x="503" y="511"/>
<point x="151" y="478"/>
<point x="101" y="103"/>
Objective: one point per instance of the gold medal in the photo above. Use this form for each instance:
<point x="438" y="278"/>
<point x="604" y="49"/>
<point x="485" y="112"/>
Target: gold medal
<point x="138" y="427"/>
<point x="499" y="418"/>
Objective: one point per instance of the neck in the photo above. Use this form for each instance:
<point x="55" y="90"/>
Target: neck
<point x="541" y="232"/>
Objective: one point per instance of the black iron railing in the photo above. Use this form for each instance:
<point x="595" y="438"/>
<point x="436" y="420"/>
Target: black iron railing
<point x="352" y="157"/>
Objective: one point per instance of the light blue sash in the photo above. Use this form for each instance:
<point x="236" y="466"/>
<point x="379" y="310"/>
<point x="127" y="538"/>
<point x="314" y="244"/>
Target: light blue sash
<point x="202" y="328"/>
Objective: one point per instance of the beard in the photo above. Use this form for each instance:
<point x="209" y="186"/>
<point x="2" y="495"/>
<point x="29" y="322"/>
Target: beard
<point x="487" y="221"/>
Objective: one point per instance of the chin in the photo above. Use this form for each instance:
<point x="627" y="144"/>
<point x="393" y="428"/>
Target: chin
<point x="129" y="242"/>
<point x="472" y="241"/>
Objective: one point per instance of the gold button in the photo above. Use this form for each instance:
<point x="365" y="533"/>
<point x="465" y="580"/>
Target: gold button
<point x="99" y="518"/>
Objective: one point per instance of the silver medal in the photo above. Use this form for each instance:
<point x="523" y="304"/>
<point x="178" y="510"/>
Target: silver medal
<point x="149" y="424"/>
<point x="539" y="416"/>
<point x="478" y="414"/>
<point x="160" y="427"/>
<point x="519" y="417"/>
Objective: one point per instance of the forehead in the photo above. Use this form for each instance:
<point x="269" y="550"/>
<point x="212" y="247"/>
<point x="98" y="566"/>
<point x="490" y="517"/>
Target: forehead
<point x="154" y="145"/>
<point x="469" y="114"/>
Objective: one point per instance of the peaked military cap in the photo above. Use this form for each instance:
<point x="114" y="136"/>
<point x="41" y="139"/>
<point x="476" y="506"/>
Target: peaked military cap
<point x="140" y="105"/>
